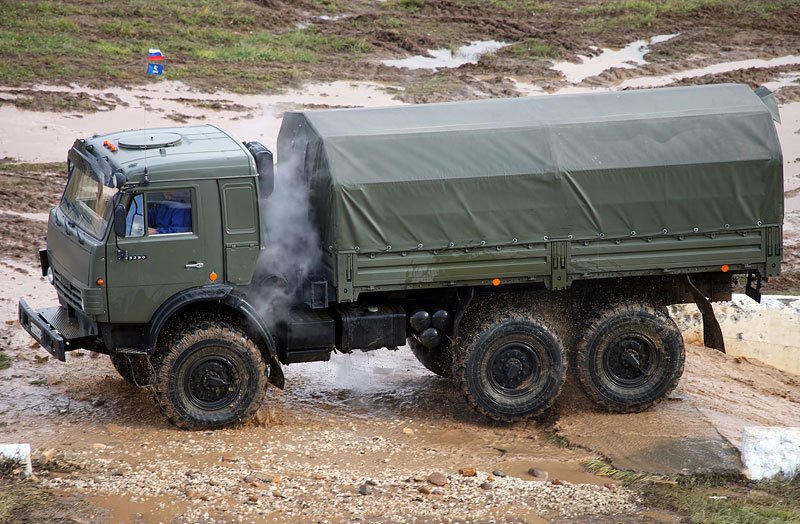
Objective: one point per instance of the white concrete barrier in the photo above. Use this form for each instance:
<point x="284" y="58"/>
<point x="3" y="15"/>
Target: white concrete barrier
<point x="769" y="452"/>
<point x="19" y="453"/>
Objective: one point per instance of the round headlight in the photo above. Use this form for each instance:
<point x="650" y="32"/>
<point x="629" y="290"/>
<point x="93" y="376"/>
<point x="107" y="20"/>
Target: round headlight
<point x="50" y="277"/>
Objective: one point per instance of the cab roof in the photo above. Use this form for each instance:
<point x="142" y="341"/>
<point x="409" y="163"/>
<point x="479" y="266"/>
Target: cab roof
<point x="174" y="153"/>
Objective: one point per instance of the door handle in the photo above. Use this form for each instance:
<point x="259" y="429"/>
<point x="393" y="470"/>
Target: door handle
<point x="194" y="265"/>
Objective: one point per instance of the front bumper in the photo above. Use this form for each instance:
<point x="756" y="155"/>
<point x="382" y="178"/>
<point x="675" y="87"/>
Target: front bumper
<point x="55" y="329"/>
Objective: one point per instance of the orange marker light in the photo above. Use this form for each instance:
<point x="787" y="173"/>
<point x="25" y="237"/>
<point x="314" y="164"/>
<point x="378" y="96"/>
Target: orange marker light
<point x="100" y="281"/>
<point x="213" y="277"/>
<point x="495" y="281"/>
<point x="724" y="268"/>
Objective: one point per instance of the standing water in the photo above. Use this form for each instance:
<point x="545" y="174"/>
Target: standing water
<point x="447" y="59"/>
<point x="628" y="57"/>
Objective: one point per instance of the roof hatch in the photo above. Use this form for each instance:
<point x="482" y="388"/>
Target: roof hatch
<point x="149" y="140"/>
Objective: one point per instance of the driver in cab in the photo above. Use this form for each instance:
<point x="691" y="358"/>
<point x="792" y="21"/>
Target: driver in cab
<point x="172" y="214"/>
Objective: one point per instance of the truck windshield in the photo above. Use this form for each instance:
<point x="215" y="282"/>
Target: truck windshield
<point x="88" y="200"/>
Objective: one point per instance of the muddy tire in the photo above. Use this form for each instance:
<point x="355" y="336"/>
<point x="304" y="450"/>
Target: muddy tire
<point x="137" y="370"/>
<point x="510" y="368"/>
<point x="210" y="376"/>
<point x="438" y="361"/>
<point x="630" y="357"/>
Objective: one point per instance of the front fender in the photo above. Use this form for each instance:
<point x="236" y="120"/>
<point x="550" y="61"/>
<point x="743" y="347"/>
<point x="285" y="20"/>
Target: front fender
<point x="220" y="293"/>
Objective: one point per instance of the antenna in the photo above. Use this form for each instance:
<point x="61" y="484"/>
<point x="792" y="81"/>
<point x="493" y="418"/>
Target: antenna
<point x="155" y="66"/>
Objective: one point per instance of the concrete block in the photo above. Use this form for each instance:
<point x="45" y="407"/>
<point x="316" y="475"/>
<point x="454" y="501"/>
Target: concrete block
<point x="19" y="453"/>
<point x="769" y="452"/>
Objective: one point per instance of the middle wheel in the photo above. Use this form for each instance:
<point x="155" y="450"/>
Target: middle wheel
<point x="512" y="370"/>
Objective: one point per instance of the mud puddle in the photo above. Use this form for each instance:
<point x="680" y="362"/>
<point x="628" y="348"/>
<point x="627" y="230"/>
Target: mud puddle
<point x="446" y="58"/>
<point x="628" y="57"/>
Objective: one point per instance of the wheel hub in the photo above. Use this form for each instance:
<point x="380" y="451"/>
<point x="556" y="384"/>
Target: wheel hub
<point x="210" y="381"/>
<point x="628" y="360"/>
<point x="513" y="366"/>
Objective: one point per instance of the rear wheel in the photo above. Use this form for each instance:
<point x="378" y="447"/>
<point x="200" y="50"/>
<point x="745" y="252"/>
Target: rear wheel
<point x="511" y="369"/>
<point x="210" y="376"/>
<point x="438" y="360"/>
<point x="137" y="370"/>
<point x="630" y="357"/>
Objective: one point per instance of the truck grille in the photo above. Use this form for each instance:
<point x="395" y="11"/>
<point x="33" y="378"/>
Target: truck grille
<point x="70" y="293"/>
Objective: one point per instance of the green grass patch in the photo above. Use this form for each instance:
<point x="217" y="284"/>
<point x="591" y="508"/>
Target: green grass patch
<point x="406" y="5"/>
<point x="240" y="45"/>
<point x="717" y="501"/>
<point x="604" y="469"/>
<point x="638" y="14"/>
<point x="5" y="361"/>
<point x="531" y="48"/>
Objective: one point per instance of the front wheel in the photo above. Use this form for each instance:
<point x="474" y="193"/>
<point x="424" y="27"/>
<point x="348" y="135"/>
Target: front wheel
<point x="630" y="357"/>
<point x="210" y="376"/>
<point x="512" y="370"/>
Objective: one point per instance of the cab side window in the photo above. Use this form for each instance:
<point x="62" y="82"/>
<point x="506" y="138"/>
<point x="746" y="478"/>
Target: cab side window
<point x="169" y="212"/>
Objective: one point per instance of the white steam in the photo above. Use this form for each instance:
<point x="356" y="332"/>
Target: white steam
<point x="292" y="250"/>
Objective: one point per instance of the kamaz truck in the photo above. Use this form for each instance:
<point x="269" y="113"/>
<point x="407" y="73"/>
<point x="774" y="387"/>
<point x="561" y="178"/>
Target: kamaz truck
<point x="504" y="242"/>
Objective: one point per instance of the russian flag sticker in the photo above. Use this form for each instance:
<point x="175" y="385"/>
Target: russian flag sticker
<point x="155" y="54"/>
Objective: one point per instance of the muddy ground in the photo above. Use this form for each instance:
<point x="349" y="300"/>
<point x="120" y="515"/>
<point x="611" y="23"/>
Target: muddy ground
<point x="377" y="422"/>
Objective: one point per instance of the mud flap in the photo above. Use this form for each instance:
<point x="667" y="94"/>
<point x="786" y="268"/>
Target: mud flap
<point x="712" y="333"/>
<point x="753" y="287"/>
<point x="276" y="377"/>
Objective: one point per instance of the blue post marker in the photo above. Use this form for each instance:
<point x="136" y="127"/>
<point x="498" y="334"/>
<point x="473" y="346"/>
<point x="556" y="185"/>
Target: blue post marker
<point x="155" y="69"/>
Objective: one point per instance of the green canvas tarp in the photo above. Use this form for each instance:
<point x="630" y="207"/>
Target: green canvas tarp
<point x="496" y="172"/>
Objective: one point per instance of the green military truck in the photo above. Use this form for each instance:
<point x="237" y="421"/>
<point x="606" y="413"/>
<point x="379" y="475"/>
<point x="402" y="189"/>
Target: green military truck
<point x="503" y="241"/>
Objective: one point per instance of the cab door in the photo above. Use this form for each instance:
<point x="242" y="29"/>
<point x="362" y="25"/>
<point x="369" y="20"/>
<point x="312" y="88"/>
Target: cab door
<point x="169" y="246"/>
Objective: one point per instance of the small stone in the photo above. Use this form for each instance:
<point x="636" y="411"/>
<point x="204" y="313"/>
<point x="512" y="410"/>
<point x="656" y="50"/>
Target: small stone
<point x="40" y="359"/>
<point x="99" y="445"/>
<point x="319" y="476"/>
<point x="438" y="479"/>
<point x="276" y="479"/>
<point x="34" y="345"/>
<point x="425" y="490"/>
<point x="365" y="489"/>
<point x="10" y="322"/>
<point x="498" y="473"/>
<point x="250" y="479"/>
<point x="538" y="473"/>
<point x="408" y="431"/>
<point x="77" y="354"/>
<point x="487" y="485"/>
<point x="371" y="482"/>
<point x="556" y="482"/>
<point x="47" y="455"/>
<point x="468" y="472"/>
<point x="490" y="478"/>
<point x="98" y="402"/>
<point x="252" y="498"/>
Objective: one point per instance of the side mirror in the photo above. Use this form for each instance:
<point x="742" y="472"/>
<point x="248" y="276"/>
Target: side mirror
<point x="119" y="220"/>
